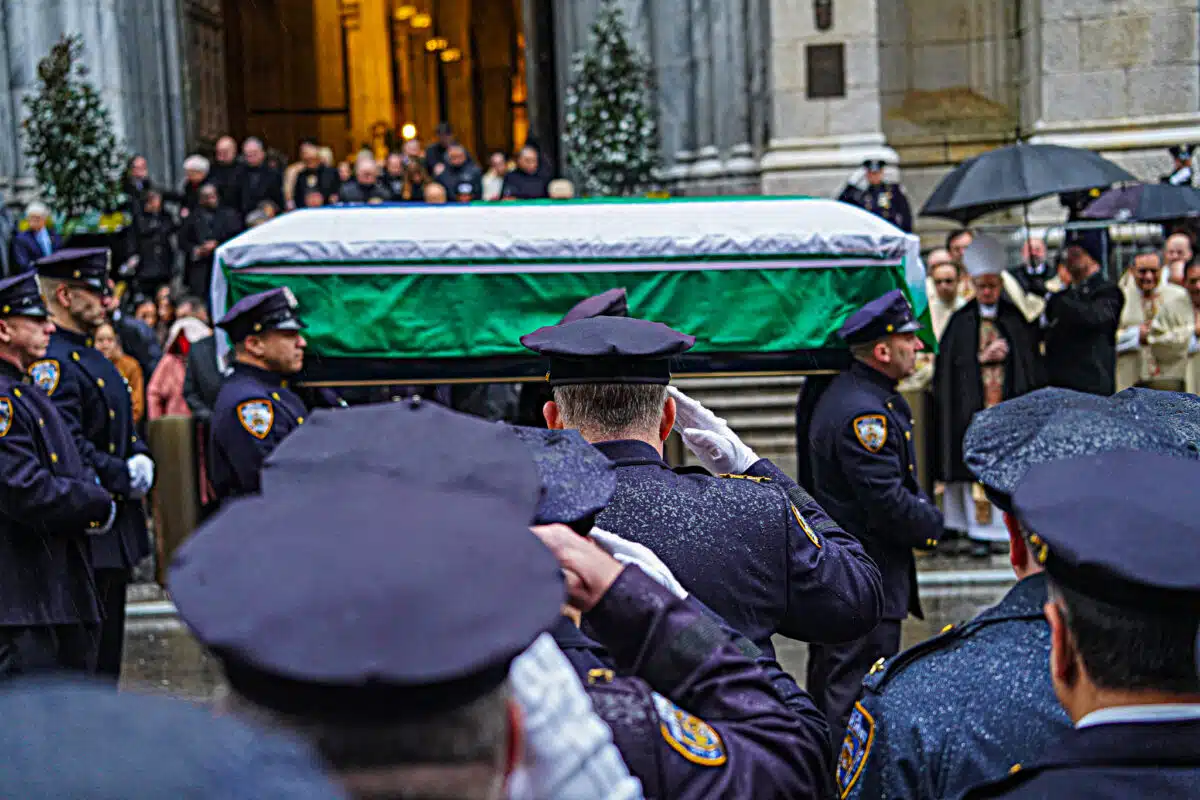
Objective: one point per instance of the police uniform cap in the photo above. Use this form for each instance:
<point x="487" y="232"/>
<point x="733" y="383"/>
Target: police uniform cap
<point x="985" y="256"/>
<point x="883" y="316"/>
<point x="1180" y="151"/>
<point x="577" y="479"/>
<point x="365" y="600"/>
<point x="609" y="350"/>
<point x="274" y="309"/>
<point x="83" y="266"/>
<point x="613" y="303"/>
<point x="1006" y="441"/>
<point x="1119" y="527"/>
<point x="69" y="738"/>
<point x="20" y="297"/>
<point x="416" y="443"/>
<point x="1090" y="241"/>
<point x="874" y="164"/>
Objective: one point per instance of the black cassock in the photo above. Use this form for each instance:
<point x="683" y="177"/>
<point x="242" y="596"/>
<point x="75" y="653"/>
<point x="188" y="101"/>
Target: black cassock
<point x="958" y="382"/>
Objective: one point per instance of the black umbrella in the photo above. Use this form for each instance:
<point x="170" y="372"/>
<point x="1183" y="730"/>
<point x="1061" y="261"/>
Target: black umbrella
<point x="1016" y="175"/>
<point x="1146" y="202"/>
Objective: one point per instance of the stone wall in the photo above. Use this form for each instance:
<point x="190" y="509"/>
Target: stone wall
<point x="131" y="49"/>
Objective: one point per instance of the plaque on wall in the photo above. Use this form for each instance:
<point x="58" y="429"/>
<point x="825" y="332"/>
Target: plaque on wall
<point x="826" y="69"/>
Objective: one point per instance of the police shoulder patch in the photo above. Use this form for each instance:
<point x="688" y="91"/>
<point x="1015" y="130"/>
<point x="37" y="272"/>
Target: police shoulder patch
<point x="45" y="374"/>
<point x="871" y="430"/>
<point x="6" y="416"/>
<point x="804" y="526"/>
<point x="860" y="735"/>
<point x="257" y="417"/>
<point x="690" y="736"/>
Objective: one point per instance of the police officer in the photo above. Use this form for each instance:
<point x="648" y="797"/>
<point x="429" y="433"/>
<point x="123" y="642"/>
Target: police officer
<point x="623" y="682"/>
<point x="1181" y="175"/>
<point x="755" y="549"/>
<point x="881" y="198"/>
<point x="49" y="502"/>
<point x="864" y="468"/>
<point x="928" y="724"/>
<point x="94" y="400"/>
<point x="1115" y="534"/>
<point x="255" y="408"/>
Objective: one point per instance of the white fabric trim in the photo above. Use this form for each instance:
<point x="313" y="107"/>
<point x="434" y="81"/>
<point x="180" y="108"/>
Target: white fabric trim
<point x="1166" y="712"/>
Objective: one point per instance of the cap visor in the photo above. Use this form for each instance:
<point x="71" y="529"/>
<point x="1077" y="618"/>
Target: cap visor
<point x="910" y="327"/>
<point x="293" y="324"/>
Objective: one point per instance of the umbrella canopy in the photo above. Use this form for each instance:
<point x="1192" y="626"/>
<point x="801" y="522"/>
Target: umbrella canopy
<point x="1015" y="175"/>
<point x="1146" y="202"/>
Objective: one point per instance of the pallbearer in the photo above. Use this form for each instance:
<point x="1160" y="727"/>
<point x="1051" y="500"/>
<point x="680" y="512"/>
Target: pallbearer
<point x="256" y="408"/>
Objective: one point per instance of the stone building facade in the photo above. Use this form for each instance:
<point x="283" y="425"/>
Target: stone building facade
<point x="789" y="96"/>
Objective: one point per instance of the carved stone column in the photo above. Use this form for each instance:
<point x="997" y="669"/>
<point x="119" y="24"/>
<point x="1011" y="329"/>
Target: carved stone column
<point x="366" y="23"/>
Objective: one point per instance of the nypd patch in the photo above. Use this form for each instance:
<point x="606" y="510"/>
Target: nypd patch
<point x="871" y="430"/>
<point x="46" y="374"/>
<point x="691" y="737"/>
<point x="860" y="735"/>
<point x="804" y="526"/>
<point x="257" y="417"/>
<point x="6" y="415"/>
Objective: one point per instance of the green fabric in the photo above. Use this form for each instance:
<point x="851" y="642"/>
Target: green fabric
<point x="365" y="314"/>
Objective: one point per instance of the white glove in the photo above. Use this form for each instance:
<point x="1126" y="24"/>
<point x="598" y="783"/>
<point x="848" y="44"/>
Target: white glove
<point x="628" y="552"/>
<point x="569" y="752"/>
<point x="107" y="526"/>
<point x="141" y="474"/>
<point x="709" y="437"/>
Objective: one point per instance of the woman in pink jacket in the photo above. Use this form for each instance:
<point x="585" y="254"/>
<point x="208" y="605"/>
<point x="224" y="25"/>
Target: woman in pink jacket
<point x="164" y="394"/>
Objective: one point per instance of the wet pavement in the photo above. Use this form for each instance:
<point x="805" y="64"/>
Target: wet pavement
<point x="160" y="655"/>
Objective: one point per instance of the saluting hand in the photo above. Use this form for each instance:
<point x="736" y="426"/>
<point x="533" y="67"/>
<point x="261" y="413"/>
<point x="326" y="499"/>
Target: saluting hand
<point x="589" y="571"/>
<point x="709" y="437"/>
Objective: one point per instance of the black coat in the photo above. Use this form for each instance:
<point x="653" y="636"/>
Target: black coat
<point x="958" y="383"/>
<point x="155" y="251"/>
<point x="354" y="192"/>
<point x="203" y="379"/>
<point x="520" y="185"/>
<point x="1081" y="336"/>
<point x="226" y="178"/>
<point x="256" y="185"/>
<point x="49" y="499"/>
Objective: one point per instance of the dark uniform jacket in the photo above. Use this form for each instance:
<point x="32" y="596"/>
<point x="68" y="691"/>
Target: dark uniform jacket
<point x="958" y="392"/>
<point x="759" y="552"/>
<point x="887" y="200"/>
<point x="958" y="709"/>
<point x="94" y="400"/>
<point x="1111" y="762"/>
<point x="701" y="719"/>
<point x="49" y="499"/>
<point x="255" y="411"/>
<point x="1081" y="336"/>
<point x="1032" y="282"/>
<point x="864" y="467"/>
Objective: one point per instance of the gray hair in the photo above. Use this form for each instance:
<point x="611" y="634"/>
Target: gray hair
<point x="37" y="209"/>
<point x="196" y="163"/>
<point x="606" y="411"/>
<point x="464" y="748"/>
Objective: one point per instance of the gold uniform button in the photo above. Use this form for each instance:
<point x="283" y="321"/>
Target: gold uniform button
<point x="54" y="458"/>
<point x="88" y="342"/>
<point x="112" y="448"/>
<point x="948" y="627"/>
<point x="275" y="396"/>
<point x="74" y="356"/>
<point x="300" y="420"/>
<point x="41" y="422"/>
<point x="133" y="439"/>
<point x="100" y="382"/>
<point x="112" y="414"/>
<point x="1014" y="769"/>
<point x="908" y="435"/>
<point x="889" y="405"/>
<point x="878" y="665"/>
<point x="17" y="392"/>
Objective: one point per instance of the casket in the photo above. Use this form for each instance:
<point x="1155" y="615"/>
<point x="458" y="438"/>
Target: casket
<point x="414" y="293"/>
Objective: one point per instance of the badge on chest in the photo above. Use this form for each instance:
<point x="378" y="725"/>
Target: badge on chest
<point x="257" y="417"/>
<point x="46" y="374"/>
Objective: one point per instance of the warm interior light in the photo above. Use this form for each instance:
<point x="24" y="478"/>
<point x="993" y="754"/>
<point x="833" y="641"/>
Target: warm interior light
<point x="405" y="12"/>
<point x="408" y="131"/>
<point x="436" y="44"/>
<point x="421" y="20"/>
<point x="451" y="54"/>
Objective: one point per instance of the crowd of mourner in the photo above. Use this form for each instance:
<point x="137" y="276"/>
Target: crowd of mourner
<point x="529" y="601"/>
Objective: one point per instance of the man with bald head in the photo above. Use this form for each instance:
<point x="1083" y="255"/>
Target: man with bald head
<point x="257" y="181"/>
<point x="223" y="171"/>
<point x="1177" y="254"/>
